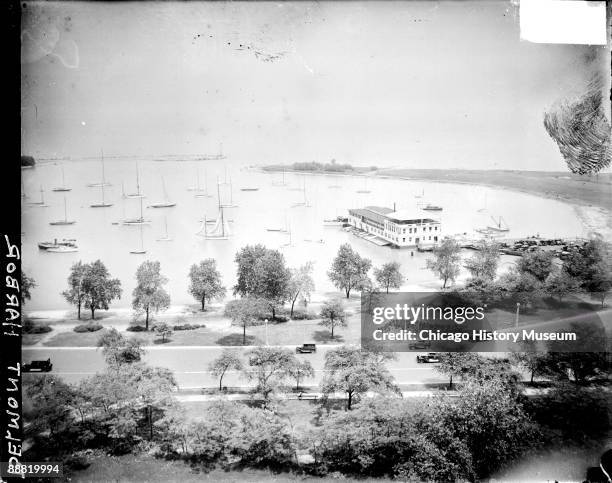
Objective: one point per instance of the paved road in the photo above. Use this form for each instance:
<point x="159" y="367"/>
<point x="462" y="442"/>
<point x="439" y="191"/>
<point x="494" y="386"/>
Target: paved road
<point x="190" y="364"/>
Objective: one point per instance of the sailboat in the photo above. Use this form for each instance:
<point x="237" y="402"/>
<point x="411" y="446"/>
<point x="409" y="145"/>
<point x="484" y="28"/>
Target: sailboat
<point x="290" y="242"/>
<point x="282" y="182"/>
<point x="365" y="189"/>
<point x="165" y="238"/>
<point x="103" y="183"/>
<point x="137" y="221"/>
<point x="304" y="203"/>
<point x="141" y="250"/>
<point x="23" y="190"/>
<point x="484" y="208"/>
<point x="163" y="204"/>
<point x="65" y="221"/>
<point x="214" y="157"/>
<point x="63" y="187"/>
<point x="231" y="203"/>
<point x="221" y="229"/>
<point x="103" y="204"/>
<point x="500" y="225"/>
<point x="42" y="199"/>
<point x="138" y="194"/>
<point x="64" y="246"/>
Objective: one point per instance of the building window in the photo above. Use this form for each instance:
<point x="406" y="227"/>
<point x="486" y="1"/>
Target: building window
<point x="435" y="238"/>
<point x="430" y="237"/>
<point x="404" y="239"/>
<point x="435" y="228"/>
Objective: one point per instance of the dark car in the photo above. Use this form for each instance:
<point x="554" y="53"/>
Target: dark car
<point x="430" y="357"/>
<point x="419" y="346"/>
<point x="306" y="349"/>
<point x="38" y="366"/>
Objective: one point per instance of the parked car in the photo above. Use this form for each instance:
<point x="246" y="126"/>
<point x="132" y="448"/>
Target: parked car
<point x="306" y="349"/>
<point x="38" y="366"/>
<point x="430" y="357"/>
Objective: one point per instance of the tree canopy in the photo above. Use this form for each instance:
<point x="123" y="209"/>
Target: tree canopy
<point x="349" y="271"/>
<point x="149" y="294"/>
<point x="333" y="315"/>
<point x="205" y="282"/>
<point x="446" y="261"/>
<point x="389" y="276"/>
<point x="90" y="284"/>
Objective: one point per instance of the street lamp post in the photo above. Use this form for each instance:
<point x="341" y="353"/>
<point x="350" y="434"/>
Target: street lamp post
<point x="266" y="321"/>
<point x="518" y="309"/>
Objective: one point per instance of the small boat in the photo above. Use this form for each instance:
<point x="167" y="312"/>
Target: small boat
<point x="163" y="204"/>
<point x="338" y="221"/>
<point x="231" y="203"/>
<point x="65" y="221"/>
<point x="66" y="242"/>
<point x="63" y="249"/>
<point x="165" y="238"/>
<point x="200" y="192"/>
<point x="141" y="250"/>
<point x="101" y="185"/>
<point x="63" y="187"/>
<point x="249" y="189"/>
<point x="138" y="194"/>
<point x="430" y="207"/>
<point x="42" y="199"/>
<point x="221" y="230"/>
<point x="137" y="221"/>
<point x="282" y="182"/>
<point x="500" y="225"/>
<point x="365" y="189"/>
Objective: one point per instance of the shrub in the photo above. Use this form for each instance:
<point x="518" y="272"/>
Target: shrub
<point x="93" y="327"/>
<point x="303" y="315"/>
<point x="188" y="326"/>
<point x="136" y="328"/>
<point x="30" y="327"/>
<point x="76" y="462"/>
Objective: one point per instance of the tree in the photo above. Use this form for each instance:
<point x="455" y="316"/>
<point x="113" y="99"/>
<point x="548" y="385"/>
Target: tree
<point x="262" y="274"/>
<point x="228" y="360"/>
<point x="300" y="370"/>
<point x="205" y="282"/>
<point x="538" y="263"/>
<point x="445" y="263"/>
<point x="581" y="263"/>
<point x="75" y="295"/>
<point x="349" y="270"/>
<point x="490" y="420"/>
<point x="163" y="330"/>
<point x="269" y="368"/>
<point x="484" y="262"/>
<point x="27" y="284"/>
<point x="354" y="372"/>
<point x="244" y="313"/>
<point x="560" y="283"/>
<point x="149" y="294"/>
<point x="49" y="405"/>
<point x="118" y="350"/>
<point x="457" y="364"/>
<point x="300" y="283"/>
<point x="98" y="288"/>
<point x="521" y="287"/>
<point x="389" y="276"/>
<point x="530" y="360"/>
<point x="601" y="282"/>
<point x="333" y="315"/>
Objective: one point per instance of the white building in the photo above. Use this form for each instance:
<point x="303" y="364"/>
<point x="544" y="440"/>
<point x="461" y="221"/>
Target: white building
<point x="399" y="228"/>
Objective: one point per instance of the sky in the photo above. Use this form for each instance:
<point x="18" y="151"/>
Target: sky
<point x="387" y="83"/>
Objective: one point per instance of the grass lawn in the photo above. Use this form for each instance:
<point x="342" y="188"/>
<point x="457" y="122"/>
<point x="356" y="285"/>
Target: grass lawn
<point x="144" y="468"/>
<point x="75" y="339"/>
<point x="31" y="339"/>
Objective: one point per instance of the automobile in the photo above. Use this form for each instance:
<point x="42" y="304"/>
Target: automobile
<point x="419" y="346"/>
<point x="306" y="349"/>
<point x="430" y="357"/>
<point x="38" y="366"/>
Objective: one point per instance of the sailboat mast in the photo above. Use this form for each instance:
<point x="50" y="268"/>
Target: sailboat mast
<point x="138" y="182"/>
<point x="65" y="210"/>
<point x="63" y="178"/>
<point x="42" y="196"/>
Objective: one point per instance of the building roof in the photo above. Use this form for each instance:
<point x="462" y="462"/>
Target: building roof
<point x="409" y="217"/>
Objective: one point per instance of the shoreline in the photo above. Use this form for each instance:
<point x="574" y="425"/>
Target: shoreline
<point x="593" y="214"/>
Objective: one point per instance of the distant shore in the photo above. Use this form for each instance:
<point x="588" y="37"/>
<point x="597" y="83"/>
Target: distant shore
<point x="590" y="196"/>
